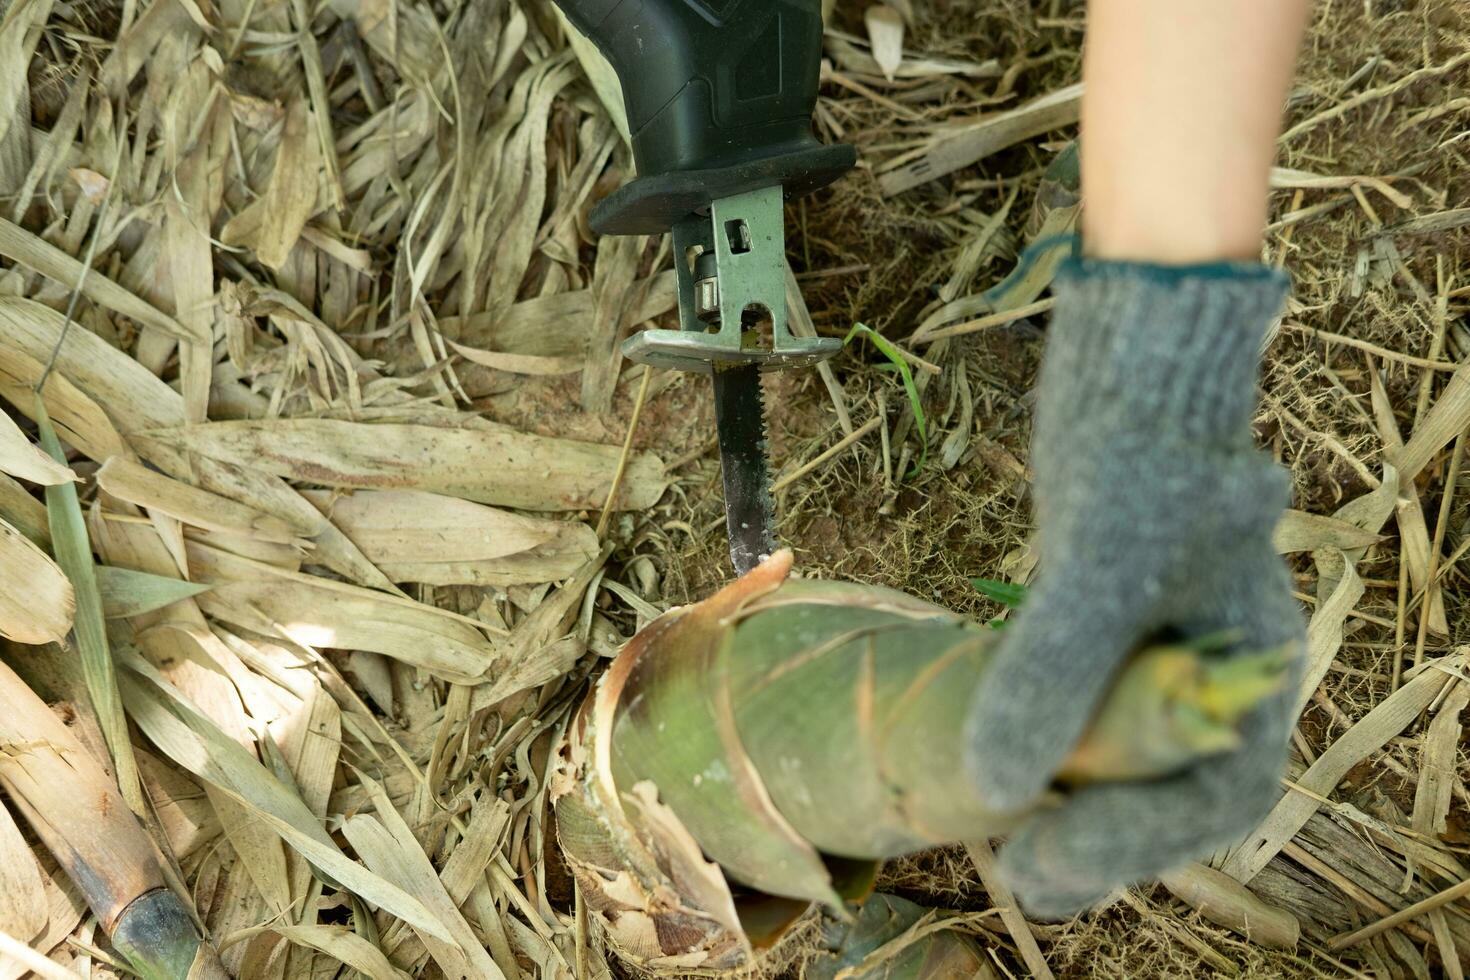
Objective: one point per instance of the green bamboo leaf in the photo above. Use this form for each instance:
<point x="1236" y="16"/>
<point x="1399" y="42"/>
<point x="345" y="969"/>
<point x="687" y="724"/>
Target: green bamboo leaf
<point x="1008" y="594"/>
<point x="126" y="592"/>
<point x="73" y="552"/>
<point x="886" y="348"/>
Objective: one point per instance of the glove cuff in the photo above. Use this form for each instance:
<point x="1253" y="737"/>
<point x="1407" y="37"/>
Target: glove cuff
<point x="1174" y="349"/>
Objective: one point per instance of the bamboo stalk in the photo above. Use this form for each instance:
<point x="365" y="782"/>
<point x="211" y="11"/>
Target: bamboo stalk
<point x="75" y="809"/>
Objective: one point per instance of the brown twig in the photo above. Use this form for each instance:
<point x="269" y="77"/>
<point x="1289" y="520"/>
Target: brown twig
<point x="617" y="481"/>
<point x="842" y="444"/>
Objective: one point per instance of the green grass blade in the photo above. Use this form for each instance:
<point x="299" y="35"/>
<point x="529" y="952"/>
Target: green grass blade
<point x="73" y="552"/>
<point x="886" y="348"/>
<point x="1008" y="594"/>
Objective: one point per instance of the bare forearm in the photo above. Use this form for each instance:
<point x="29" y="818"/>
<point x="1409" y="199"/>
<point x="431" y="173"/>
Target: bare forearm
<point x="1180" y="119"/>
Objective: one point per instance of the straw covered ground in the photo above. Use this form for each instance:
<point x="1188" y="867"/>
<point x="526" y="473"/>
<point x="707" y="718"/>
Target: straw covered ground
<point x="332" y="355"/>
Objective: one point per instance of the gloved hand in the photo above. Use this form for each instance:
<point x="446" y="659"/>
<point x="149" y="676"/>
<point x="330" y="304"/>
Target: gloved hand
<point x="1155" y="513"/>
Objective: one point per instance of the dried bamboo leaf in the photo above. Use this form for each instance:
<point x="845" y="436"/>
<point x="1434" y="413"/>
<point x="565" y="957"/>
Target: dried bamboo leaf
<point x="1369" y="735"/>
<point x="1325" y="630"/>
<point x="462" y="873"/>
<point x="1415" y="543"/>
<point x="321" y="106"/>
<point x="1438" y="772"/>
<point x="1299" y="531"/>
<point x="23" y="911"/>
<point x="37" y="602"/>
<point x="988" y="135"/>
<point x="387" y="845"/>
<point x="1285" y="178"/>
<point x="130" y="481"/>
<point x="234" y="905"/>
<point x="374" y="677"/>
<point x="310" y="737"/>
<point x="554" y="615"/>
<point x="540" y="666"/>
<point x="196" y="743"/>
<point x="134" y="399"/>
<point x="186" y="250"/>
<point x="319" y="614"/>
<point x="557" y="325"/>
<point x="395" y="134"/>
<point x="274" y="496"/>
<point x="1448" y="418"/>
<point x="522" y="178"/>
<point x="272" y="224"/>
<point x="79" y="421"/>
<point x="548" y="563"/>
<point x="491" y="465"/>
<point x="311" y="740"/>
<point x="156" y="22"/>
<point x="74" y="555"/>
<point x="24" y="513"/>
<point x="540" y="648"/>
<point x="64" y="909"/>
<point x="849" y="56"/>
<point x="177" y="636"/>
<point x="413" y="526"/>
<point x="21" y="458"/>
<point x="338" y="942"/>
<point x="536" y="365"/>
<point x="1444" y="939"/>
<point x="1372" y="510"/>
<point x="20" y="30"/>
<point x="56" y="148"/>
<point x="600" y="73"/>
<point x="184" y="813"/>
<point x="612" y="300"/>
<point x="260" y="851"/>
<point x="1425" y="224"/>
<point x="465" y="867"/>
<point x="21" y="246"/>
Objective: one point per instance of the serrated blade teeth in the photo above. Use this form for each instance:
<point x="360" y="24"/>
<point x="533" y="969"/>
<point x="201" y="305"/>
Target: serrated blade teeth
<point x="750" y="507"/>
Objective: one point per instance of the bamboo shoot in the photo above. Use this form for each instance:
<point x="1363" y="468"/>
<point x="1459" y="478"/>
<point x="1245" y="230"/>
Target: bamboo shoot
<point x="762" y="750"/>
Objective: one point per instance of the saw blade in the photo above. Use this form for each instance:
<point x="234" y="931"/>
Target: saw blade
<point x="750" y="507"/>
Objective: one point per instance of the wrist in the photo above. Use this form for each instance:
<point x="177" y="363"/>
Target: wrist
<point x="1169" y="350"/>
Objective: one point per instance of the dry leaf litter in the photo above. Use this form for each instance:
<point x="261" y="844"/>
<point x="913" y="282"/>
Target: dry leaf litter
<point x="333" y="356"/>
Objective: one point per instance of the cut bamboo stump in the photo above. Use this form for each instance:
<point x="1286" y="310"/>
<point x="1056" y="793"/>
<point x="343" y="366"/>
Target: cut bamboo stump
<point x="74" y="807"/>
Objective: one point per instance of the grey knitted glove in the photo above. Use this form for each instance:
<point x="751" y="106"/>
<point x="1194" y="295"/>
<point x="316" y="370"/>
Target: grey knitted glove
<point x="1155" y="513"/>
